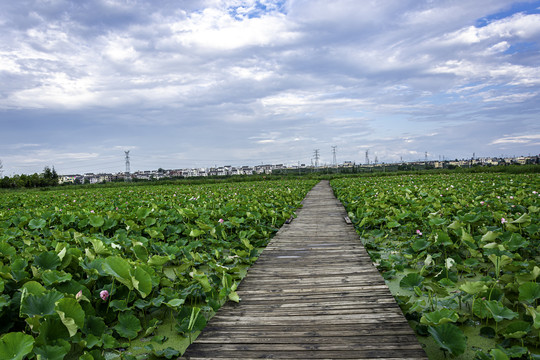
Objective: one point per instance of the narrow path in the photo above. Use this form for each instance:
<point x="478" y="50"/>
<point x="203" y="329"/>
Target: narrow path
<point x="312" y="294"/>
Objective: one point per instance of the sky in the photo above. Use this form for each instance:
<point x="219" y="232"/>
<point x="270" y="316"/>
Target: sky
<point x="184" y="84"/>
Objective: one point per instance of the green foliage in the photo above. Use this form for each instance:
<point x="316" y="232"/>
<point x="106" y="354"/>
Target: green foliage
<point x="15" y="346"/>
<point x="82" y="271"/>
<point x="466" y="249"/>
<point x="450" y="338"/>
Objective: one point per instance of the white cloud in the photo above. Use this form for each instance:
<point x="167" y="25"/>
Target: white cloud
<point x="216" y="29"/>
<point x="215" y="74"/>
<point x="520" y="26"/>
<point x="522" y="139"/>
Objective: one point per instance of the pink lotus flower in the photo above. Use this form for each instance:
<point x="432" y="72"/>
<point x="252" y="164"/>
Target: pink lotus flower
<point x="79" y="294"/>
<point x="482" y="203"/>
<point x="104" y="295"/>
<point x="221" y="221"/>
<point x="503" y="220"/>
<point x="418" y="232"/>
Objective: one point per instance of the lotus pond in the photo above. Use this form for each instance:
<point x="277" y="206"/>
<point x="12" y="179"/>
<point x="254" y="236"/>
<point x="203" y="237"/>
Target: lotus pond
<point x="461" y="254"/>
<point x="86" y="272"/>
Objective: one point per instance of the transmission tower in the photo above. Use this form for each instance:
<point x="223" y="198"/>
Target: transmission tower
<point x="127" y="176"/>
<point x="316" y="157"/>
<point x="367" y="156"/>
<point x="376" y="160"/>
<point x="425" y="156"/>
<point x="334" y="161"/>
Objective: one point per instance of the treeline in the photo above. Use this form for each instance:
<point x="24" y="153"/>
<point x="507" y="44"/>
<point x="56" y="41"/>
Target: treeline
<point x="47" y="178"/>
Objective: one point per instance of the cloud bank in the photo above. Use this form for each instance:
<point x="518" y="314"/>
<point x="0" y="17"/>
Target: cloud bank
<point x="245" y="81"/>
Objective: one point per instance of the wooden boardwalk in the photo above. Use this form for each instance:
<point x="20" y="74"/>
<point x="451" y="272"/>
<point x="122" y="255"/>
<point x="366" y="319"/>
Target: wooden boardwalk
<point x="312" y="294"/>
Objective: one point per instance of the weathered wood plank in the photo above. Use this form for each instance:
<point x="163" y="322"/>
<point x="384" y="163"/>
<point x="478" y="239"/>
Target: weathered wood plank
<point x="313" y="294"/>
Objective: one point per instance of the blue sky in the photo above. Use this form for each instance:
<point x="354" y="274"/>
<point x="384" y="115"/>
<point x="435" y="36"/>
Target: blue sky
<point x="243" y="82"/>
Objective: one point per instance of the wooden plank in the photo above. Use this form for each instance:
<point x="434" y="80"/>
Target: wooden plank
<point x="313" y="294"/>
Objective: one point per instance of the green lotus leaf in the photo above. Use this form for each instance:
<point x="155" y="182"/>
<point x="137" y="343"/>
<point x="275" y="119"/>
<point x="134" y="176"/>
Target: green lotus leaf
<point x="201" y="279"/>
<point x="529" y="292"/>
<point x="142" y="281"/>
<point x="158" y="260"/>
<point x="411" y="280"/>
<point x="500" y="261"/>
<point x="535" y="314"/>
<point x="467" y="238"/>
<point x="94" y="325"/>
<point x="119" y="305"/>
<point x="4" y="301"/>
<point x="41" y="305"/>
<point x="449" y="338"/>
<point x="71" y="314"/>
<point x="7" y="250"/>
<point x="419" y="245"/>
<point x="149" y="221"/>
<point x="168" y="353"/>
<point x="33" y="287"/>
<point x="118" y="268"/>
<point x="86" y="356"/>
<point x="37" y="224"/>
<point x="15" y="346"/>
<point x="516" y="242"/>
<point x="47" y="260"/>
<point x="175" y="303"/>
<point x="514" y="351"/>
<point x="490" y="236"/>
<point x="525" y="218"/>
<point x="456" y="225"/>
<point x="516" y="330"/>
<point x="96" y="220"/>
<point x="154" y="234"/>
<point x="499" y="311"/>
<point x="142" y="213"/>
<point x="480" y="309"/>
<point x="437" y="221"/>
<point x="141" y="253"/>
<point x="233" y="296"/>
<point x="128" y="326"/>
<point x="51" y="277"/>
<point x="439" y="317"/>
<point x="473" y="287"/>
<point x="498" y="354"/>
<point x="471" y="218"/>
<point x="109" y="342"/>
<point x="100" y="248"/>
<point x="52" y="352"/>
<point x="187" y="213"/>
<point x="442" y="238"/>
<point x="196" y="232"/>
<point x="92" y="340"/>
<point x="52" y="330"/>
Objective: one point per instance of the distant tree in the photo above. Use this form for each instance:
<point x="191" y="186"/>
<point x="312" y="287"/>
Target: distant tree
<point x="160" y="170"/>
<point x="49" y="176"/>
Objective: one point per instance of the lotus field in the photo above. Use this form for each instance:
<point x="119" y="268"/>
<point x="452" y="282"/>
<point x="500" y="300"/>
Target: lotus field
<point x="84" y="272"/>
<point x="461" y="254"/>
